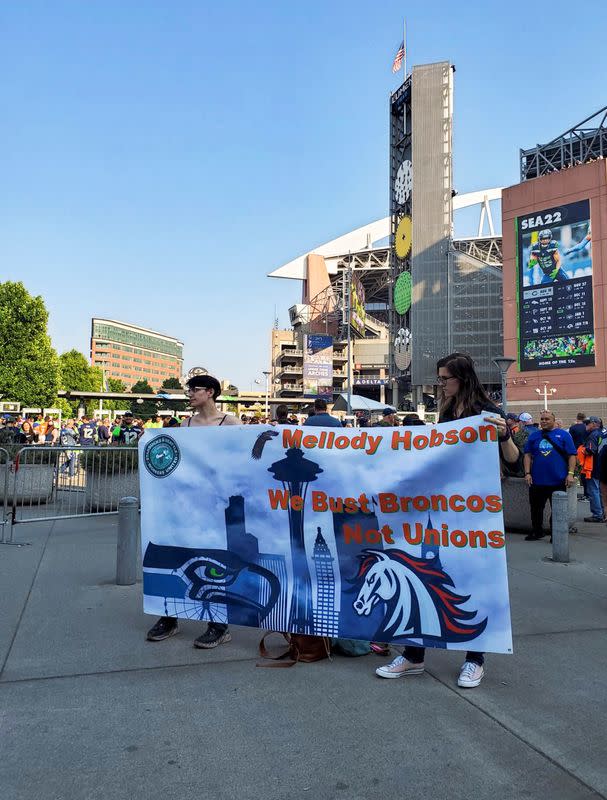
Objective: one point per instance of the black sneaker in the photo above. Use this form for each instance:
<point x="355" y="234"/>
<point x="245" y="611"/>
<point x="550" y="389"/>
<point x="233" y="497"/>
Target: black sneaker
<point x="594" y="519"/>
<point x="165" y="627"/>
<point x="534" y="537"/>
<point x="213" y="637"/>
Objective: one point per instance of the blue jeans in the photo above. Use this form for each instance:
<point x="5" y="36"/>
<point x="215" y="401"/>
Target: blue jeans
<point x="594" y="494"/>
<point x="69" y="463"/>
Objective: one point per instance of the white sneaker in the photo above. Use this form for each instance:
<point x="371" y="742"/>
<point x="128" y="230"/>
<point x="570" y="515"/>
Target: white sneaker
<point x="470" y="675"/>
<point x="399" y="668"/>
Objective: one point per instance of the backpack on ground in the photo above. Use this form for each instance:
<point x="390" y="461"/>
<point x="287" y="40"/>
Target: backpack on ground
<point x="351" y="647"/>
<point x="299" y="648"/>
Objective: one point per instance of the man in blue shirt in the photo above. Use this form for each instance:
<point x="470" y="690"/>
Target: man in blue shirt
<point x="88" y="432"/>
<point x="549" y="461"/>
<point x="578" y="431"/>
<point x="103" y="432"/>
<point x="595" y="437"/>
<point x="321" y="417"/>
<point x="579" y="434"/>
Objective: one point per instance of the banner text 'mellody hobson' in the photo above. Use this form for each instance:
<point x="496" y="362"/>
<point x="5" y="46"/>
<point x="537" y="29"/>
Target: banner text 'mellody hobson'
<point x="399" y="439"/>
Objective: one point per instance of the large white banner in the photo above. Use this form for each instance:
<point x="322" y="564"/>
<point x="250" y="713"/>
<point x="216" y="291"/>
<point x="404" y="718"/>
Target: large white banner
<point x="383" y="534"/>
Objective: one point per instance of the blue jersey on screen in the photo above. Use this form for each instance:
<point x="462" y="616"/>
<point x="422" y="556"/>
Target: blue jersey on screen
<point x="549" y="467"/>
<point x="546" y="257"/>
<point x="87" y="431"/>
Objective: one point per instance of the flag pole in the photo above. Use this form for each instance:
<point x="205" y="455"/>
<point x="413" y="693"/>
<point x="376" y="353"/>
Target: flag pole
<point x="404" y="49"/>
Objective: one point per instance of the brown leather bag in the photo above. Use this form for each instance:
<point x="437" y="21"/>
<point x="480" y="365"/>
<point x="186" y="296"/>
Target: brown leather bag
<point x="300" y="648"/>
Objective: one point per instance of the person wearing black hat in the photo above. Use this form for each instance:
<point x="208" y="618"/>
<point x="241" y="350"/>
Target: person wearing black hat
<point x="512" y="422"/>
<point x="203" y="391"/>
<point x="128" y="432"/>
<point x="596" y="436"/>
<point x="10" y="433"/>
<point x="388" y="420"/>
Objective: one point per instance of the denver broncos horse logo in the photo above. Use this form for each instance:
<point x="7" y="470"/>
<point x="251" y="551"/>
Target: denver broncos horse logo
<point x="417" y="600"/>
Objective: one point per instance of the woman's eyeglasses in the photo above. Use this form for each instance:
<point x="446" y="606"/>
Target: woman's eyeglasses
<point x="442" y="381"/>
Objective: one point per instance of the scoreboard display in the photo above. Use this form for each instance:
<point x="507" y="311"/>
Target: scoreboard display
<point x="554" y="282"/>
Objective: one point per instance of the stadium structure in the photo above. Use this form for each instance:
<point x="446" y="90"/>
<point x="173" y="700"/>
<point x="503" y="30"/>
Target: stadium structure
<point x="475" y="261"/>
<point x="584" y="142"/>
<point x="426" y="291"/>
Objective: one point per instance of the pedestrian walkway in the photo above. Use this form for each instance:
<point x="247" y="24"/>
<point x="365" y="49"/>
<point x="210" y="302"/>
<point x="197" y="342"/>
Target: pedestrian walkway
<point x="90" y="710"/>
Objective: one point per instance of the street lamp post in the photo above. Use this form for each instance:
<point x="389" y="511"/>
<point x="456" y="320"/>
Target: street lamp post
<point x="267" y="374"/>
<point x="546" y="392"/>
<point x="503" y="363"/>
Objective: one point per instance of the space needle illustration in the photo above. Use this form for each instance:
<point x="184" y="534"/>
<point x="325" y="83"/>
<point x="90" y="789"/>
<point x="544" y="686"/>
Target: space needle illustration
<point x="295" y="473"/>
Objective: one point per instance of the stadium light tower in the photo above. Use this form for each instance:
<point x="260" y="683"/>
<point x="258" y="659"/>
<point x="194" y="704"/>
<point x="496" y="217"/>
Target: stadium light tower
<point x="503" y="363"/>
<point x="546" y="392"/>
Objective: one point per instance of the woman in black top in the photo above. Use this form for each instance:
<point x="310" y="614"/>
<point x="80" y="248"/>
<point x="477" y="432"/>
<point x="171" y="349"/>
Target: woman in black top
<point x="462" y="396"/>
<point x="28" y="432"/>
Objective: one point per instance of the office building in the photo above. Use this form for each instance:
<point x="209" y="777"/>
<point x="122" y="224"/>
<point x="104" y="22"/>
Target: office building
<point x="130" y="353"/>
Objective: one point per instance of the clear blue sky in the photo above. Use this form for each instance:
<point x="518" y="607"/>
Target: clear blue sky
<point x="159" y="158"/>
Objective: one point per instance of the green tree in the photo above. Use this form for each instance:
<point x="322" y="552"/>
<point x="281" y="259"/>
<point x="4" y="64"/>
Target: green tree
<point x="78" y="375"/>
<point x="115" y="385"/>
<point x="173" y="385"/>
<point x="149" y="408"/>
<point x="64" y="405"/>
<point x="96" y="378"/>
<point x="29" y="367"/>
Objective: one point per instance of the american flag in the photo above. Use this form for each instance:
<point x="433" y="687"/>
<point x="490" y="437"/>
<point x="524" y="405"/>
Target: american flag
<point x="398" y="58"/>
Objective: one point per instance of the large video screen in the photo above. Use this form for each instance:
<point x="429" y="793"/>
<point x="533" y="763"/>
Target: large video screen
<point x="358" y="314"/>
<point x="318" y="366"/>
<point x="554" y="266"/>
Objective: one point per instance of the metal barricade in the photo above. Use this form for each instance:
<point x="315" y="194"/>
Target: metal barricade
<point x="5" y="463"/>
<point x="49" y="483"/>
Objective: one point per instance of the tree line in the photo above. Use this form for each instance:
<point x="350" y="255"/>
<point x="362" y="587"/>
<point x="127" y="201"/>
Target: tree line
<point x="32" y="373"/>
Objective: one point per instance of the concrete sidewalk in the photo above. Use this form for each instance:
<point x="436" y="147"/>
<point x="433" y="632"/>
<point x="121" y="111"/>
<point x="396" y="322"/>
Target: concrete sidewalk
<point x="90" y="710"/>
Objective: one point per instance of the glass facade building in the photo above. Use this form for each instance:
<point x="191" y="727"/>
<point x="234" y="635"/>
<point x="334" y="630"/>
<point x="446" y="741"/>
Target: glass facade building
<point x="130" y="353"/>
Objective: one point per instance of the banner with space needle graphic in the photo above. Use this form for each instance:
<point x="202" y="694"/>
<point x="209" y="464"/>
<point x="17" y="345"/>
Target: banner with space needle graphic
<point x="382" y="534"/>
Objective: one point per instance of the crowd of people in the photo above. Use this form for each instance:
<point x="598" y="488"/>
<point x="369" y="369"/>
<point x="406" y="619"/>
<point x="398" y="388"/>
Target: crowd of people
<point x="554" y="457"/>
<point x="84" y="432"/>
<point x="560" y="346"/>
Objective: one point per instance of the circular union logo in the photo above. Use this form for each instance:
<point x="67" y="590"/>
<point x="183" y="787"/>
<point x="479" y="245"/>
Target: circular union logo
<point x="161" y="456"/>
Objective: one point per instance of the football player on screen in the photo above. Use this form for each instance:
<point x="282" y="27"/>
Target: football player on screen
<point x="545" y="254"/>
<point x="580" y="246"/>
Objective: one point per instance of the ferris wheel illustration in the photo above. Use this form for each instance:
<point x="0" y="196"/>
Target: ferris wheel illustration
<point x="192" y="609"/>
